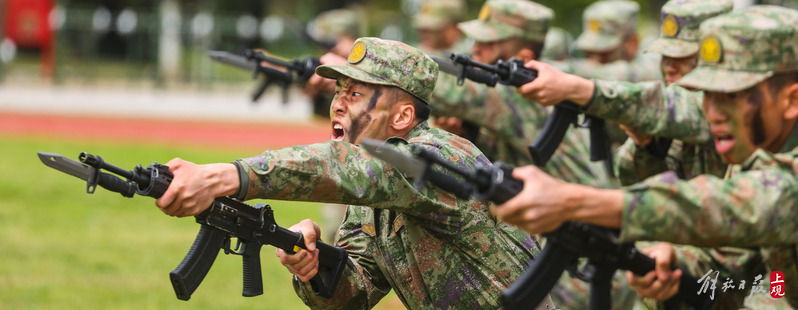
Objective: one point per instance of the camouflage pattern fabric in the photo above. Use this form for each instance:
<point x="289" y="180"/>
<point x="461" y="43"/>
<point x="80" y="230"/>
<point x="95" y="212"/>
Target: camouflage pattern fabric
<point x="434" y="14"/>
<point x="606" y="23"/>
<point x="634" y="164"/>
<point x="741" y="210"/>
<point x="435" y="250"/>
<point x="680" y="20"/>
<point x="557" y="46"/>
<point x="645" y="67"/>
<point x="503" y="19"/>
<point x="334" y="24"/>
<point x="756" y="204"/>
<point x="743" y="48"/>
<point x="509" y="123"/>
<point x="391" y="63"/>
<point x="652" y="109"/>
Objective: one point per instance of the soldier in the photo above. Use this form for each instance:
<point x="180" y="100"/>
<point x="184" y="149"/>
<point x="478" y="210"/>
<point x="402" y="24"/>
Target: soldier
<point x="748" y="71"/>
<point x="557" y="46"/>
<point x="433" y="249"/>
<point x="340" y="27"/>
<point x="436" y="24"/>
<point x="504" y="123"/>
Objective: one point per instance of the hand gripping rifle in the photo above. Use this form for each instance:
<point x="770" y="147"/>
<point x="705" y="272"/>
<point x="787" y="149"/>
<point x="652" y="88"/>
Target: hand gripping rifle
<point x="564" y="246"/>
<point x="514" y="73"/>
<point x="225" y="219"/>
<point x="296" y="69"/>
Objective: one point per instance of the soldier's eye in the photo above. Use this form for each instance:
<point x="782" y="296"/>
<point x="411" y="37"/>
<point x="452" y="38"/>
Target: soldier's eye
<point x="355" y="94"/>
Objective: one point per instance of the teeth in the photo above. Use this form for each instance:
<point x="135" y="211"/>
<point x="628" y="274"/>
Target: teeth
<point x="338" y="126"/>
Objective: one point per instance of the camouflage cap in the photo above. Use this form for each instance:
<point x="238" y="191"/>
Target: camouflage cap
<point x="391" y="63"/>
<point x="499" y="20"/>
<point x="679" y="36"/>
<point x="606" y="23"/>
<point x="557" y="45"/>
<point x="434" y="14"/>
<point x="743" y="48"/>
<point x="333" y="24"/>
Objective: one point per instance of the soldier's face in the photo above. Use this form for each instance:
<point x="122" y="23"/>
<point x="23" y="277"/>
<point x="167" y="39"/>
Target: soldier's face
<point x="358" y="110"/>
<point x="492" y="52"/>
<point x="743" y="121"/>
<point x="675" y="68"/>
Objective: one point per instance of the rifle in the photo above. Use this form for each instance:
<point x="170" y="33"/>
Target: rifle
<point x="513" y="73"/>
<point x="225" y="219"/>
<point x="564" y="246"/>
<point x="296" y="69"/>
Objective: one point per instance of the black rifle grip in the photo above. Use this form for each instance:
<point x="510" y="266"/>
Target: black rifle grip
<point x="332" y="261"/>
<point x="640" y="264"/>
<point x="553" y="133"/>
<point x="253" y="279"/>
<point x="600" y="289"/>
<point x="532" y="287"/>
<point x="189" y="274"/>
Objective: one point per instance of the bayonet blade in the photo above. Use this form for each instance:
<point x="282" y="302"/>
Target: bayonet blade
<point x="447" y="65"/>
<point x="411" y="166"/>
<point x="233" y="60"/>
<point x="65" y="165"/>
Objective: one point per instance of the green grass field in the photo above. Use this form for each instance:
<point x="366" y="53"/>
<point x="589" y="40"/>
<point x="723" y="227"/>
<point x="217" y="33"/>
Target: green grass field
<point x="61" y="248"/>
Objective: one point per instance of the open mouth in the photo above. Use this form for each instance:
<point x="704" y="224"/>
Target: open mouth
<point x="724" y="143"/>
<point x="337" y="132"/>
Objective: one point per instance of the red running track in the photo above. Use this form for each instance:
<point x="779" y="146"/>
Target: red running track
<point x="254" y="136"/>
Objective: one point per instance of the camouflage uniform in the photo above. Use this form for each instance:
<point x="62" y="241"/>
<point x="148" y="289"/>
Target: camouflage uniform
<point x="605" y="24"/>
<point x="605" y="27"/>
<point x="330" y="26"/>
<point x="557" y="46"/>
<point x="678" y="39"/>
<point x="435" y="250"/>
<point x="435" y="14"/>
<point x="507" y="122"/>
<point x="755" y="204"/>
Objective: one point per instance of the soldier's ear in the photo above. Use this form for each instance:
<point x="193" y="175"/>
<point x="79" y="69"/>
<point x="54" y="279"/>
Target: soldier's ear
<point x="404" y="115"/>
<point x="525" y="54"/>
<point x="791" y="111"/>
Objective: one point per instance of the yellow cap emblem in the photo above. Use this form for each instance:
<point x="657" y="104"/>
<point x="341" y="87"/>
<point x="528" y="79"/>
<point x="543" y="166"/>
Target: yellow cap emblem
<point x="711" y="49"/>
<point x="484" y="13"/>
<point x="358" y="52"/>
<point x="670" y="26"/>
<point x="594" y="25"/>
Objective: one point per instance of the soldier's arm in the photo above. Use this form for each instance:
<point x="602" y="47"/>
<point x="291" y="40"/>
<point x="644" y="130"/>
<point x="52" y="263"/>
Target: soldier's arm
<point x="634" y="164"/>
<point x="362" y="285"/>
<point x="651" y="109"/>
<point x="497" y="109"/>
<point x="341" y="172"/>
<point x="709" y="211"/>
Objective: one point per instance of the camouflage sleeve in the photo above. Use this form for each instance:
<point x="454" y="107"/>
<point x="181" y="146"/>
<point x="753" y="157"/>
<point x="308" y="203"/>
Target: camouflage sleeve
<point x="708" y="211"/>
<point x="500" y="110"/>
<point x="362" y="285"/>
<point x="650" y="108"/>
<point x="643" y="68"/>
<point x="634" y="164"/>
<point x="340" y="172"/>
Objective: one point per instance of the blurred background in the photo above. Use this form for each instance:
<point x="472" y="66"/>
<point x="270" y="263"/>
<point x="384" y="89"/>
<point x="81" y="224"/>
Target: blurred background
<point x="130" y="80"/>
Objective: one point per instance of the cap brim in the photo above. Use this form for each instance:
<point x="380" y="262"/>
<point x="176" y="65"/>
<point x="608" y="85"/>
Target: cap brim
<point x="428" y="23"/>
<point x="714" y="79"/>
<point x="673" y="48"/>
<point x="482" y="32"/>
<point x="594" y="41"/>
<point x="336" y="71"/>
